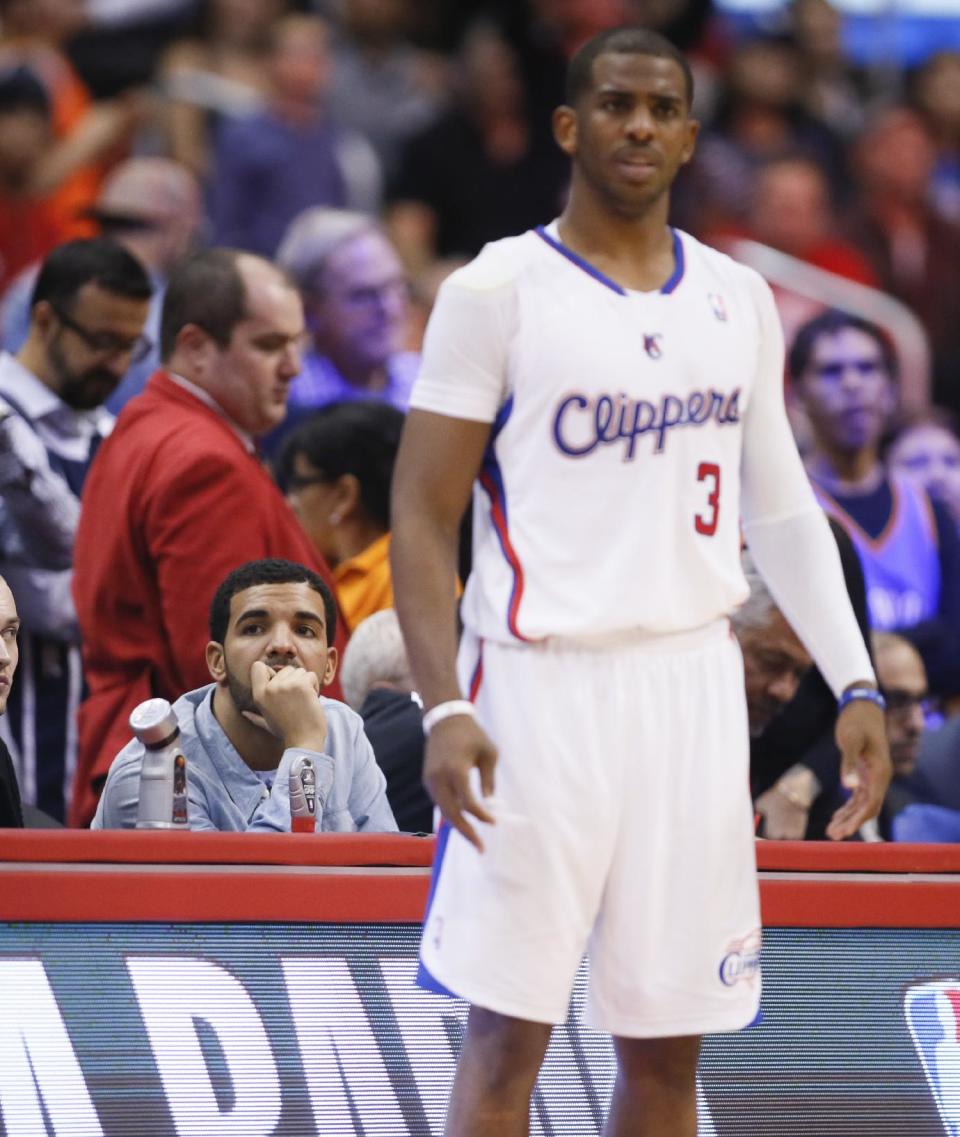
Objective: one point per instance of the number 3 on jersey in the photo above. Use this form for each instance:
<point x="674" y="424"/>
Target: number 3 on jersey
<point x="709" y="472"/>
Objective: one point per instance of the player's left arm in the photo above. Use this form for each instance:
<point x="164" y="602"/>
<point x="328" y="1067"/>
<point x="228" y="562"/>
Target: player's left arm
<point x="792" y="545"/>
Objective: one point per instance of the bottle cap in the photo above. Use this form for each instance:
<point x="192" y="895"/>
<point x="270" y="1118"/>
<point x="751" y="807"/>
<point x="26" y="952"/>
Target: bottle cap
<point x="153" y="722"/>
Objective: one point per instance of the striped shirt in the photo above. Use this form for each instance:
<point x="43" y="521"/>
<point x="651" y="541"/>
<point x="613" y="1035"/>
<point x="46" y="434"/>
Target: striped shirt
<point x="45" y="450"/>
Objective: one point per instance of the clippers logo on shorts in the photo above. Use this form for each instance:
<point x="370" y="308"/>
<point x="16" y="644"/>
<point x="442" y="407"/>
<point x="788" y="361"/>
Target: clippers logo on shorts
<point x="584" y="422"/>
<point x="741" y="963"/>
<point x="652" y="345"/>
<point x="932" y="1011"/>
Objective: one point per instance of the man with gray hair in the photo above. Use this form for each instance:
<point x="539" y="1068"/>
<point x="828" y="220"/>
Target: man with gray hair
<point x="774" y="659"/>
<point x="355" y="297"/>
<point x="791" y="712"/>
<point x="378" y="684"/>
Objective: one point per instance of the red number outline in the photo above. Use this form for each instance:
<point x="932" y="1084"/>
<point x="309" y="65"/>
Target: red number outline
<point x="708" y="525"/>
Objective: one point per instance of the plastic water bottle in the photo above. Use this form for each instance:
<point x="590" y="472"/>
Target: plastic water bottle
<point x="163" y="775"/>
<point x="303" y="795"/>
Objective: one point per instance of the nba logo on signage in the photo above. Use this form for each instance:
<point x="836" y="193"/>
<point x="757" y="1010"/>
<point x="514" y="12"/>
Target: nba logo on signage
<point x="932" y="1011"/>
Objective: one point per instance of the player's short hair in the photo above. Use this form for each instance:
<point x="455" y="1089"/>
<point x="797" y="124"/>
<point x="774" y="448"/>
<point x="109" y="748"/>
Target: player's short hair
<point x="829" y="323"/>
<point x="350" y="438"/>
<point x="270" y="570"/>
<point x="97" y="261"/>
<point x="630" y="40"/>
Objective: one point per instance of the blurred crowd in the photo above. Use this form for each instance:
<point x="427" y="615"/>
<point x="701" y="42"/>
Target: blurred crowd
<point x="355" y="152"/>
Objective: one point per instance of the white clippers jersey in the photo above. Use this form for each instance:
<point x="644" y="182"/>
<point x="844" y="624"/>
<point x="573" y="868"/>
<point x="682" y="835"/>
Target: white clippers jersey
<point x="609" y="497"/>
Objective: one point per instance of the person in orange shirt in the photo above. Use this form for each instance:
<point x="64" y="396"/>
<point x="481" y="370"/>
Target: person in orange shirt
<point x="28" y="229"/>
<point x="336" y="468"/>
<point x="87" y="134"/>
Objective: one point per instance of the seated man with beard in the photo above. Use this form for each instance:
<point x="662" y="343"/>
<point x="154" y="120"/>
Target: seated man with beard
<point x="271" y="624"/>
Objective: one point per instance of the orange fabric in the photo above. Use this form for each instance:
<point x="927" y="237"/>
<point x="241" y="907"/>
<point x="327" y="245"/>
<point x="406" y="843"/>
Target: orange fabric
<point x="70" y="102"/>
<point x="173" y="502"/>
<point x="363" y="582"/>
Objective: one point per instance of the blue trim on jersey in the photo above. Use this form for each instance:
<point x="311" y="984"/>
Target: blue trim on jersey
<point x="491" y="480"/>
<point x="500" y="421"/>
<point x="489" y="465"/>
<point x="670" y="286"/>
<point x="580" y="262"/>
<point x="424" y="977"/>
<point x="678" y="271"/>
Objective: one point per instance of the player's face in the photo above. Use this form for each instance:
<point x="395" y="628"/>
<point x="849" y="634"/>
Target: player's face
<point x="9" y="649"/>
<point x="774" y="662"/>
<point x="847" y="391"/>
<point x="250" y="378"/>
<point x="282" y="625"/>
<point x="360" y="318"/>
<point x="631" y="132"/>
<point x="904" y="684"/>
<point x="931" y="454"/>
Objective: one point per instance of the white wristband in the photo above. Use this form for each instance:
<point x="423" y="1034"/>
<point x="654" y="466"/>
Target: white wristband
<point x="446" y="711"/>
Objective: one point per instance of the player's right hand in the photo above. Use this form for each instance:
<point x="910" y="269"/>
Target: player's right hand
<point x="456" y="746"/>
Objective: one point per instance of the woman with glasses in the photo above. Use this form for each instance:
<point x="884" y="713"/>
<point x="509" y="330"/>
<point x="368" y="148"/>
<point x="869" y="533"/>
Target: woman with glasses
<point x="337" y="468"/>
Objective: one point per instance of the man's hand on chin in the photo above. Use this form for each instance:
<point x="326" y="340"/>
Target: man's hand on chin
<point x="290" y="707"/>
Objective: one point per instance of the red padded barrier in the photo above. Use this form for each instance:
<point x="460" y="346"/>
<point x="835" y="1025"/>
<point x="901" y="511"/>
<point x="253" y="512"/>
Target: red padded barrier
<point x="76" y="876"/>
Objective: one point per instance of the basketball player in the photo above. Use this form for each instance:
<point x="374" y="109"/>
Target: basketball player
<point x="615" y="389"/>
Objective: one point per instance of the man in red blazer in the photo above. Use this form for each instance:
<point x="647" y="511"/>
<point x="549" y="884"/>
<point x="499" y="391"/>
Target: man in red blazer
<point x="177" y="497"/>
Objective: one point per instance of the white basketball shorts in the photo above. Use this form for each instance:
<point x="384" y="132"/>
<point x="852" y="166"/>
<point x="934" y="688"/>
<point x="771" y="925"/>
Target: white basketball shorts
<point x="624" y="828"/>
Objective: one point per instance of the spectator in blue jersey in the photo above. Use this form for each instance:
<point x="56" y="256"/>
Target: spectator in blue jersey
<point x="274" y="162"/>
<point x="926" y="447"/>
<point x="87" y="315"/>
<point x="356" y="302"/>
<point x="844" y="371"/>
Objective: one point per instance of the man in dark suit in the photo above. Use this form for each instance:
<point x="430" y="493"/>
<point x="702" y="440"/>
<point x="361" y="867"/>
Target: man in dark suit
<point x="11" y="814"/>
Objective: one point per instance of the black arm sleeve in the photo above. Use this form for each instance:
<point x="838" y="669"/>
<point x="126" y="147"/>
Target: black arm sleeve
<point x="11" y="816"/>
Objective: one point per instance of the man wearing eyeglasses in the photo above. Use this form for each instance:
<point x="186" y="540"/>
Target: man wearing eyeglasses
<point x="87" y="314"/>
<point x="903" y="681"/>
<point x="356" y="304"/>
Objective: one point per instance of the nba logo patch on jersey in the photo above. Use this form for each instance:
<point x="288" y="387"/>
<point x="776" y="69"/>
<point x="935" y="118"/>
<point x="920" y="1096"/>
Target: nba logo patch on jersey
<point x="932" y="1011"/>
<point x="652" y="345"/>
<point x="718" y="305"/>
